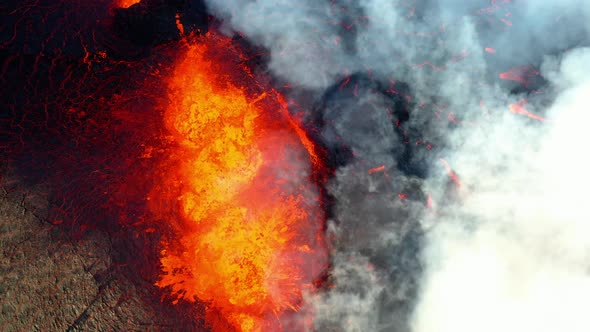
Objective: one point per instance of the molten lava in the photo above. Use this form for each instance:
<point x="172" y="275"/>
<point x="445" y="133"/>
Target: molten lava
<point x="248" y="220"/>
<point x="126" y="3"/>
<point x="519" y="108"/>
<point x="524" y="75"/>
<point x="450" y="172"/>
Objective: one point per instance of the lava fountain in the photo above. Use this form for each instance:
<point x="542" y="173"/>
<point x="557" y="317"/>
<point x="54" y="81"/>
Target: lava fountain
<point x="247" y="213"/>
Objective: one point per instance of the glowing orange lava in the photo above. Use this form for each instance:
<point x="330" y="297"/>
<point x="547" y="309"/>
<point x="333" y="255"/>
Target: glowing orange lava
<point x="249" y="219"/>
<point x="126" y="3"/>
<point x="377" y="169"/>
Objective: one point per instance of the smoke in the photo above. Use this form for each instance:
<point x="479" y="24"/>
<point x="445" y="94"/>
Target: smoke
<point x="514" y="254"/>
<point x="403" y="90"/>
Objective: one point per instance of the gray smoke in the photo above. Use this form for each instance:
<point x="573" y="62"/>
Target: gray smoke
<point x="503" y="247"/>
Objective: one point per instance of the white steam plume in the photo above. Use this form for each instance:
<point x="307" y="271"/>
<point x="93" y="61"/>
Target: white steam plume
<point x="507" y="251"/>
<point x="514" y="255"/>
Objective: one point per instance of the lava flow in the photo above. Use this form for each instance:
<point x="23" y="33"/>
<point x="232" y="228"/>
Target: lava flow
<point x="248" y="218"/>
<point x="126" y="3"/>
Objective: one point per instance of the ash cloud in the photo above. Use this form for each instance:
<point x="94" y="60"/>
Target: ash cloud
<point x="505" y="250"/>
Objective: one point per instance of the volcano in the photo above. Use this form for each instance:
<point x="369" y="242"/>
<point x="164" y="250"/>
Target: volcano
<point x="268" y="166"/>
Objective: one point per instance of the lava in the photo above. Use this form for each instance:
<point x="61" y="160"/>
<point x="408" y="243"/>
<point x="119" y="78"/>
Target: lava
<point x="450" y="172"/>
<point x="524" y="75"/>
<point x="126" y="3"/>
<point x="248" y="219"/>
<point x="377" y="169"/>
<point x="519" y="108"/>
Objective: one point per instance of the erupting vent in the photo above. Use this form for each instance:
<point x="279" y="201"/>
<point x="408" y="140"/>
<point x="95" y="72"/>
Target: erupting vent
<point x="249" y="222"/>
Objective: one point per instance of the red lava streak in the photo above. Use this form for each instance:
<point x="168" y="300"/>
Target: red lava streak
<point x="248" y="216"/>
<point x="523" y="74"/>
<point x="452" y="174"/>
<point x="377" y="169"/>
<point x="126" y="3"/>
<point x="520" y="109"/>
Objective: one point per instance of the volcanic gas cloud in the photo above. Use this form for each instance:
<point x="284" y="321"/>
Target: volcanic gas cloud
<point x="248" y="213"/>
<point x="490" y="129"/>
